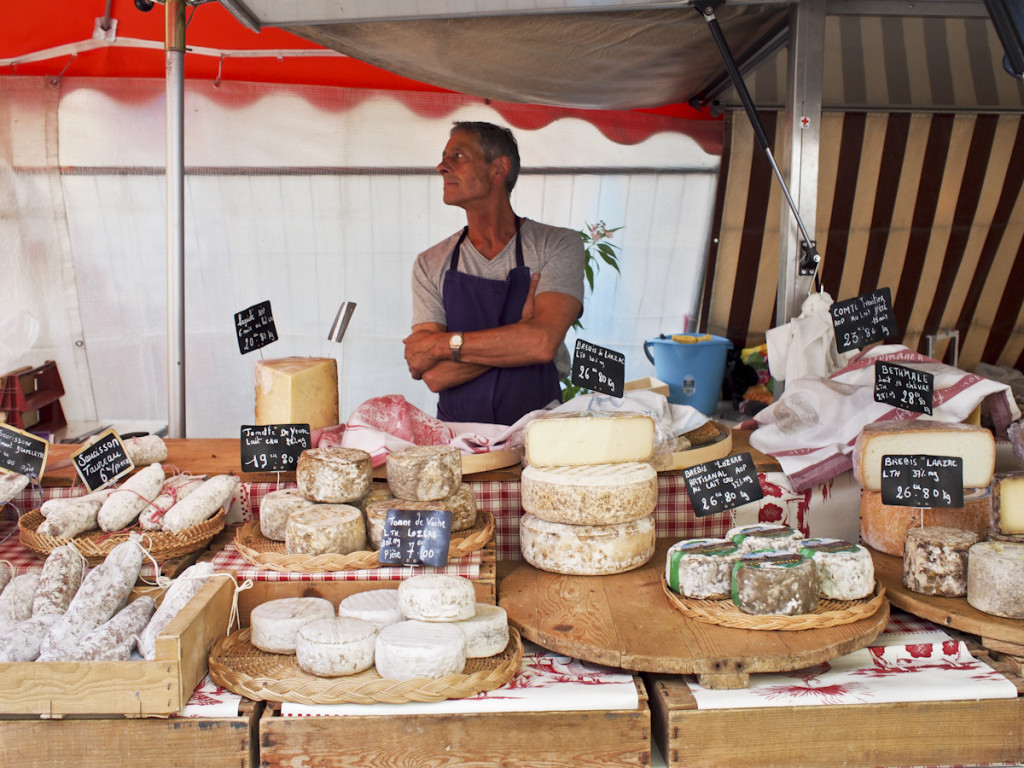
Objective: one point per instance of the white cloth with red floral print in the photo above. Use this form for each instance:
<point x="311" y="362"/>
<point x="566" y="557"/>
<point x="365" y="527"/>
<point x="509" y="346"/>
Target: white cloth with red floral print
<point x="911" y="661"/>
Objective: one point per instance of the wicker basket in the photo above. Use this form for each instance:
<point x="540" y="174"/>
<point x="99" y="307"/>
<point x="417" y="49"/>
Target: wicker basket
<point x="262" y="552"/>
<point x="829" y="613"/>
<point x="240" y="667"/>
<point x="95" y="545"/>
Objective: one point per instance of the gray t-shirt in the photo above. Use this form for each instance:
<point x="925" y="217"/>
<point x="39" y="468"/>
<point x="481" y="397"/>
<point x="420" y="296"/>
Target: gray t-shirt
<point x="555" y="252"/>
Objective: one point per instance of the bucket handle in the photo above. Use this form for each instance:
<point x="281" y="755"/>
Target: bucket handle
<point x="647" y="350"/>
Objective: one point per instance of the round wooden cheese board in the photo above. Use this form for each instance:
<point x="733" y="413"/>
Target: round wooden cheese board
<point x="625" y="621"/>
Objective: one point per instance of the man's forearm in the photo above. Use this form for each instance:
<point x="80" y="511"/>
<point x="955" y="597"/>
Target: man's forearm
<point x="447" y="374"/>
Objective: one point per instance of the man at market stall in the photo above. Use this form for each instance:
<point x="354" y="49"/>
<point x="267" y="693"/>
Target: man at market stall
<point x="493" y="302"/>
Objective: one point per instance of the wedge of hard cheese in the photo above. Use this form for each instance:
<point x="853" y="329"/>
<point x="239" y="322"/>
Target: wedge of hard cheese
<point x="297" y="390"/>
<point x="975" y="445"/>
<point x="574" y="439"/>
<point x="1008" y="502"/>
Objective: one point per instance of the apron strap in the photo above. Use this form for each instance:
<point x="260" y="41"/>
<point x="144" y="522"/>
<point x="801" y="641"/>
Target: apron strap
<point x="520" y="262"/>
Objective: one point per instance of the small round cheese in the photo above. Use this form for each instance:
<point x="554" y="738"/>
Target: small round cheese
<point x="437" y="597"/>
<point x="275" y="509"/>
<point x="586" y="550"/>
<point x="335" y="646"/>
<point x="462" y="505"/>
<point x="765" y="536"/>
<point x="775" y="582"/>
<point x="595" y="494"/>
<point x="377" y="606"/>
<point x="701" y="569"/>
<point x="319" y="529"/>
<point x="845" y="571"/>
<point x="486" y="631"/>
<point x="275" y="623"/>
<point x="935" y="560"/>
<point x="425" y="472"/>
<point x="995" y="578"/>
<point x="334" y="475"/>
<point x="414" y="649"/>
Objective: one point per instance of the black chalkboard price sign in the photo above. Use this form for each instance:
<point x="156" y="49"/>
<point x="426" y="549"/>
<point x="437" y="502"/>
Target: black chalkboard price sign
<point x="22" y="452"/>
<point x="416" y="537"/>
<point x="255" y="327"/>
<point x="902" y="387"/>
<point x="722" y="484"/>
<point x="102" y="461"/>
<point x="598" y="369"/>
<point x="864" y="319"/>
<point x="923" y="481"/>
<point x="273" y="447"/>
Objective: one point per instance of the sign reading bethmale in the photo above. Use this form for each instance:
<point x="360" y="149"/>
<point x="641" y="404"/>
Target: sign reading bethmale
<point x="922" y="481"/>
<point x="864" y="319"/>
<point x="902" y="387"/>
<point x="416" y="537"/>
<point x="22" y="452"/>
<point x="102" y="461"/>
<point x="255" y="327"/>
<point x="273" y="447"/>
<point x="722" y="484"/>
<point x="599" y="369"/>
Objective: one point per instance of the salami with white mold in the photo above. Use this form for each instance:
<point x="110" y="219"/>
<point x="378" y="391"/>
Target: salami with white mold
<point x="115" y="639"/>
<point x="21" y="642"/>
<point x="16" y="599"/>
<point x="125" y="504"/>
<point x="60" y="578"/>
<point x="202" y="504"/>
<point x="175" y="489"/>
<point x="182" y="589"/>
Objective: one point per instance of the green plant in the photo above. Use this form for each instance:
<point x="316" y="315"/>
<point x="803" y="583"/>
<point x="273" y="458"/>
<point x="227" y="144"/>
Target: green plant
<point x="596" y="248"/>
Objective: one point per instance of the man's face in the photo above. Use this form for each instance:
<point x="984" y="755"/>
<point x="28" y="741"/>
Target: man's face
<point x="467" y="177"/>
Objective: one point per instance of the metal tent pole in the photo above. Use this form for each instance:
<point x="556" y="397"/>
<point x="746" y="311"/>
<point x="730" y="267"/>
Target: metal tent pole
<point x="174" y="47"/>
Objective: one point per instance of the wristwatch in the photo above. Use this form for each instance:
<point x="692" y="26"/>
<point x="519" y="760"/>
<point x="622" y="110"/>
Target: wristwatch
<point x="455" y="345"/>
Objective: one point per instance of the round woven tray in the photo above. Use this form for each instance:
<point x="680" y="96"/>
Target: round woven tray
<point x="240" y="667"/>
<point x="262" y="552"/>
<point x="96" y="545"/>
<point x="725" y="613"/>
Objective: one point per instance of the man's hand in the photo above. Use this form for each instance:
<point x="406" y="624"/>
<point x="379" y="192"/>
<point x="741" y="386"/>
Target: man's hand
<point x="419" y="355"/>
<point x="528" y="305"/>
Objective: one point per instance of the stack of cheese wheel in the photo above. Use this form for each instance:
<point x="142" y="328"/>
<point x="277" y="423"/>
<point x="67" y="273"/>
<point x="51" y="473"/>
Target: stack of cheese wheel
<point x="423" y="477"/>
<point x="589" y="493"/>
<point x="995" y="568"/>
<point x="771" y="575"/>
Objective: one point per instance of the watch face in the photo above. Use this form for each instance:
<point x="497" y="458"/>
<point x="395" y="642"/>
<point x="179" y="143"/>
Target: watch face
<point x="455" y="341"/>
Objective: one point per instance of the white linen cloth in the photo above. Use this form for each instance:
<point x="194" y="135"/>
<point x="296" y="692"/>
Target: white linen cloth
<point x="805" y="346"/>
<point x="812" y="427"/>
<point x="210" y="700"/>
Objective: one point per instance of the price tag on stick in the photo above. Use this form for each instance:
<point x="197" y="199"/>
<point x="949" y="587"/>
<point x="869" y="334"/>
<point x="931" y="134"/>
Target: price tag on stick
<point x="103" y="461"/>
<point x="273" y="447"/>
<point x="599" y="369"/>
<point x="722" y="484"/>
<point x="416" y="537"/>
<point x="255" y="327"/>
<point x="922" y="481"/>
<point x="22" y="452"/>
<point x="863" y="320"/>
<point x="902" y="387"/>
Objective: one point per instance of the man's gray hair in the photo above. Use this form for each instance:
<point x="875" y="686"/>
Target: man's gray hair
<point x="495" y="141"/>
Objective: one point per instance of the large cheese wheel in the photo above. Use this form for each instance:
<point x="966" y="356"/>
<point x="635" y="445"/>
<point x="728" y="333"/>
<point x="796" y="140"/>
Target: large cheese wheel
<point x="334" y="475"/>
<point x="586" y="550"/>
<point x="702" y="568"/>
<point x="297" y="390"/>
<point x="486" y="631"/>
<point x="377" y="606"/>
<point x="975" y="445"/>
<point x="995" y="578"/>
<point x="437" y="597"/>
<point x="320" y="529"/>
<point x="845" y="571"/>
<point x="775" y="582"/>
<point x="1008" y="503"/>
<point x="592" y="494"/>
<point x="935" y="561"/>
<point x="884" y="526"/>
<point x="335" y="646"/>
<point x="274" y="625"/>
<point x="414" y="649"/>
<point x="571" y="439"/>
<point x="425" y="472"/>
<point x="275" y="508"/>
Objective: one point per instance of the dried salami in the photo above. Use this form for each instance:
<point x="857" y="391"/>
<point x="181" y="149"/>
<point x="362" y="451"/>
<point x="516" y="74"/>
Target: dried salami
<point x="175" y="489"/>
<point x="123" y="506"/>
<point x="6" y="574"/>
<point x="115" y="639"/>
<point x="16" y="599"/>
<point x="59" y="580"/>
<point x="182" y="589"/>
<point x="67" y="518"/>
<point x="202" y="504"/>
<point x="21" y="642"/>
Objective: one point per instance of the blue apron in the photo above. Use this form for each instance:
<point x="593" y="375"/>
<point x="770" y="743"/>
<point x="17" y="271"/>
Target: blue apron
<point x="471" y="303"/>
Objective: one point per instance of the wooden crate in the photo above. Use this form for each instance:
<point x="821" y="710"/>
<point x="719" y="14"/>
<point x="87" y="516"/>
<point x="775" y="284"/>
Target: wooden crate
<point x="186" y="742"/>
<point x="600" y="739"/>
<point x="133" y="688"/>
<point x="869" y="735"/>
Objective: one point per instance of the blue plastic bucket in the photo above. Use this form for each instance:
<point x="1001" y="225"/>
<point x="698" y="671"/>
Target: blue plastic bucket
<point x="693" y="371"/>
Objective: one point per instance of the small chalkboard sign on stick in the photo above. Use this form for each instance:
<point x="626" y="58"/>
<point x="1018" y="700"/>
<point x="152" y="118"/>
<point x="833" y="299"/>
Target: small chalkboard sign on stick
<point x="863" y="320"/>
<point x="416" y="537"/>
<point x="255" y="327"/>
<point x="103" y="461"/>
<point x="722" y="484"/>
<point x="22" y="452"/>
<point x="273" y="447"/>
<point x="598" y="369"/>
<point x="919" y="480"/>
<point x="902" y="387"/>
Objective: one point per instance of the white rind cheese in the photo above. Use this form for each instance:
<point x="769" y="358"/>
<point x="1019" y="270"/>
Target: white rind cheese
<point x="275" y="509"/>
<point x="320" y="529"/>
<point x="437" y="597"/>
<point x="995" y="578"/>
<point x="884" y="526"/>
<point x="297" y="390"/>
<point x="334" y="475"/>
<point x="336" y="646"/>
<point x="845" y="571"/>
<point x="765" y="536"/>
<point x="419" y="649"/>
<point x="701" y="569"/>
<point x="591" y="494"/>
<point x="935" y="560"/>
<point x="975" y="445"/>
<point x="425" y="472"/>
<point x="1008" y="503"/>
<point x="775" y="582"/>
<point x="571" y="439"/>
<point x="586" y="550"/>
<point x="377" y="606"/>
<point x="486" y="631"/>
<point x="275" y="624"/>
